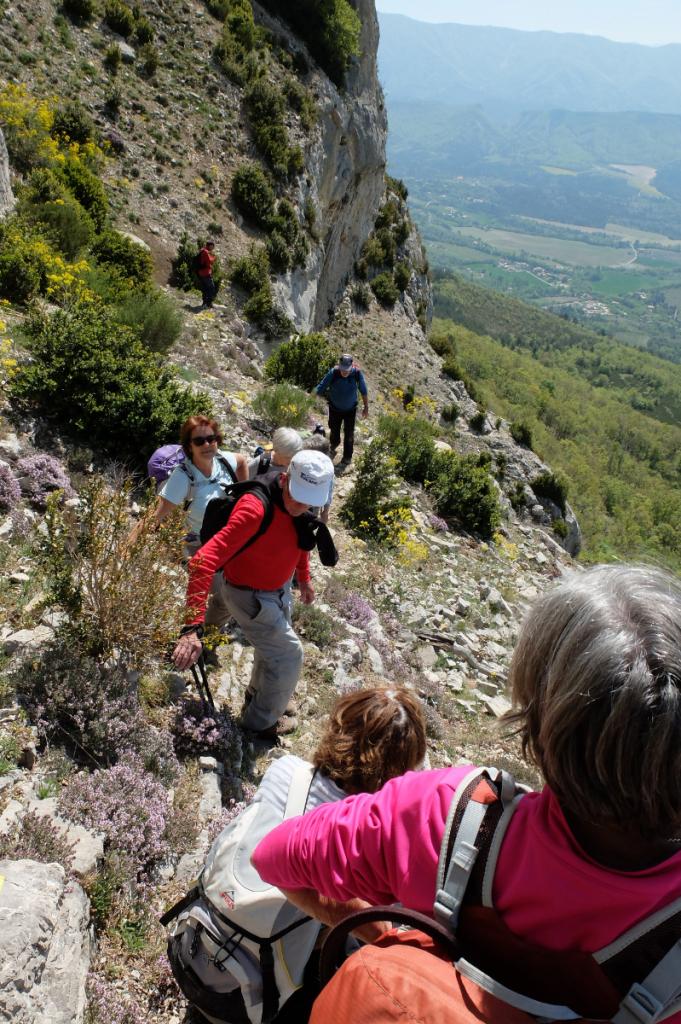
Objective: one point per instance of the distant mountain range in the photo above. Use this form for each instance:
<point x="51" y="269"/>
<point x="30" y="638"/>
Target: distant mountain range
<point x="433" y="140"/>
<point x="507" y="71"/>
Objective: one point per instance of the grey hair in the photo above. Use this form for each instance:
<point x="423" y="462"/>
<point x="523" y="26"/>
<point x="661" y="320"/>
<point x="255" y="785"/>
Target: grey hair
<point x="286" y="441"/>
<point x="317" y="443"/>
<point x="596" y="684"/>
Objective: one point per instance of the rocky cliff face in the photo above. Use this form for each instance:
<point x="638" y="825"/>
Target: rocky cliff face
<point x="6" y="196"/>
<point x="344" y="179"/>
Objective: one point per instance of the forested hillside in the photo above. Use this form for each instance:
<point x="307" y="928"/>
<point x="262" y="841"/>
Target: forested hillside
<point x="603" y="415"/>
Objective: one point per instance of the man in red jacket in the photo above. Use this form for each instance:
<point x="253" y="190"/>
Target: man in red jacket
<point x="206" y="259"/>
<point x="254" y="587"/>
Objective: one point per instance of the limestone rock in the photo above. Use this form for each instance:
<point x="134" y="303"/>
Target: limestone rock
<point x="344" y="181"/>
<point x="28" y="639"/>
<point x="6" y="194"/>
<point x="44" y="944"/>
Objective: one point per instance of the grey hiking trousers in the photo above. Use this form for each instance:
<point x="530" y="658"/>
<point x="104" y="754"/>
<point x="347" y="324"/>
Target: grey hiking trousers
<point x="265" y="620"/>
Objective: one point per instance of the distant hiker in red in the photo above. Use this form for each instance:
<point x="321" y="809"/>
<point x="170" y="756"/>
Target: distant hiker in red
<point x="205" y="261"/>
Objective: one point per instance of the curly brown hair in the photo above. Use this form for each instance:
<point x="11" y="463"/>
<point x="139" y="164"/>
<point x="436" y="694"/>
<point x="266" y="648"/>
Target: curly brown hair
<point x="372" y="736"/>
<point x="190" y="425"/>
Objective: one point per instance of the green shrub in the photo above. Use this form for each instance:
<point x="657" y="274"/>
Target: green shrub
<point x="148" y="55"/>
<point x="112" y="102"/>
<point x="96" y="380"/>
<point x="240" y="36"/>
<point x="450" y="412"/>
<point x="410" y="440"/>
<point x="260" y="305"/>
<point x="279" y="252"/>
<point x="443" y="345"/>
<point x="113" y="58"/>
<point x="387" y="242"/>
<point x="361" y="296"/>
<point x="314" y="625"/>
<point x="125" y="256"/>
<point x="87" y="189"/>
<point x="67" y="225"/>
<point x="303" y="360"/>
<point x="283" y="405"/>
<point x="331" y="29"/>
<point x="397" y="185"/>
<point x="384" y="289"/>
<point x="22" y="269"/>
<point x="239" y="21"/>
<point x="154" y="316"/>
<point x="560" y="527"/>
<point x="265" y="103"/>
<point x="521" y="432"/>
<point x="79" y="10"/>
<point x="478" y="420"/>
<point x="144" y="31"/>
<point x="452" y="368"/>
<point x="119" y="17"/>
<point x="218" y="8"/>
<point x="300" y="99"/>
<point x="251" y="272"/>
<point x="253" y="194"/>
<point x="182" y="274"/>
<point x="555" y="488"/>
<point x="369" y="506"/>
<point x="463" y="490"/>
<point x="73" y="122"/>
<point x="286" y="221"/>
<point x="402" y="275"/>
<point x="372" y="252"/>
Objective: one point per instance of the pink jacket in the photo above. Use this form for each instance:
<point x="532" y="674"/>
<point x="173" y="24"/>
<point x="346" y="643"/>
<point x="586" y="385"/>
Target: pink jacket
<point x="384" y="848"/>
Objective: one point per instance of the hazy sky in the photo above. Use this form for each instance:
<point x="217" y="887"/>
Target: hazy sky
<point x="632" y="21"/>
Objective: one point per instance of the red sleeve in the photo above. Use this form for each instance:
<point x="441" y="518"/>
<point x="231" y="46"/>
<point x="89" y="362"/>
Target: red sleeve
<point x="303" y="567"/>
<point x="245" y="519"/>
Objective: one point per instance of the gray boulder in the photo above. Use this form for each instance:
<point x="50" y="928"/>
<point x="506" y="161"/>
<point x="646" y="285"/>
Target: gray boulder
<point x="6" y="195"/>
<point x="44" y="944"/>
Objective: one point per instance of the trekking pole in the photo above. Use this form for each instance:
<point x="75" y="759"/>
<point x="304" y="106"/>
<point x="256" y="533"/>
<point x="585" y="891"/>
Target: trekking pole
<point x="201" y="683"/>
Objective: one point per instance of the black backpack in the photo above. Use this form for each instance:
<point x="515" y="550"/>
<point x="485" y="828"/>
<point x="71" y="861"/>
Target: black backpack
<point x="218" y="510"/>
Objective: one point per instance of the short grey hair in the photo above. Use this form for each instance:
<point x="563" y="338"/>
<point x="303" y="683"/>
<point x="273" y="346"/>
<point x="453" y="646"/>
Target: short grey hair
<point x="317" y="443"/>
<point x="286" y="441"/>
<point x="596" y="684"/>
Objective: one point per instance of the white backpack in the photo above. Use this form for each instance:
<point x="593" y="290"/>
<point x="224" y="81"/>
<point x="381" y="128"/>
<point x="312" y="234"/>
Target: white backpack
<point x="237" y="947"/>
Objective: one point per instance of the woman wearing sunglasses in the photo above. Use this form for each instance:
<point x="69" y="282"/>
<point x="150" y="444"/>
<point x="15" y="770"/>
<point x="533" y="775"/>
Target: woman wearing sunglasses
<point x="200" y="476"/>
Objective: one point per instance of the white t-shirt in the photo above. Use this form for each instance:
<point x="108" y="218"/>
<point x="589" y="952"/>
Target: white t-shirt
<point x="188" y="483"/>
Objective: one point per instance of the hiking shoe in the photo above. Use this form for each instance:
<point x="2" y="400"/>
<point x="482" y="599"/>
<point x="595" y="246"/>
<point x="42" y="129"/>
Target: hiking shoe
<point x="286" y="724"/>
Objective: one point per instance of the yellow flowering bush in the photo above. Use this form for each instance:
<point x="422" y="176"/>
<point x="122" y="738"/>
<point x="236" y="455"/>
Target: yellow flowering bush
<point x="506" y="547"/>
<point x="7" y="362"/>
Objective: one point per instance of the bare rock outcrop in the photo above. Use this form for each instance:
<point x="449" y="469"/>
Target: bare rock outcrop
<point x="343" y="181"/>
<point x="44" y="944"/>
<point x="6" y="194"/>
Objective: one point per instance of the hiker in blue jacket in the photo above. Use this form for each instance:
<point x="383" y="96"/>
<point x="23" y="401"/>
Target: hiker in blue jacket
<point x="340" y="387"/>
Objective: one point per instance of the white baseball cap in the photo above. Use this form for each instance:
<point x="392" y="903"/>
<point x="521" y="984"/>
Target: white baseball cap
<point x="309" y="475"/>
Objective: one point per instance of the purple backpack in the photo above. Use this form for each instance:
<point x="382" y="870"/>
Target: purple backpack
<point x="164" y="461"/>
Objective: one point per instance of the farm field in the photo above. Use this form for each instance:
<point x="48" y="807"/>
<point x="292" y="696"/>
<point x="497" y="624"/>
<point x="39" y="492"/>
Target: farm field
<point x="578" y="254"/>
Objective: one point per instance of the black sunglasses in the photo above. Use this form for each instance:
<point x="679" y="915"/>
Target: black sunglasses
<point x="206" y="439"/>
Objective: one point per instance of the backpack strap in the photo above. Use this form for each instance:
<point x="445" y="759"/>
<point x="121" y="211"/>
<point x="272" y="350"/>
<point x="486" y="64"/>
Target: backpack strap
<point x="265" y="495"/>
<point x="299" y="790"/>
<point x="224" y="462"/>
<point x="650" y="951"/>
<point x="334" y="949"/>
<point x="483" y="805"/>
